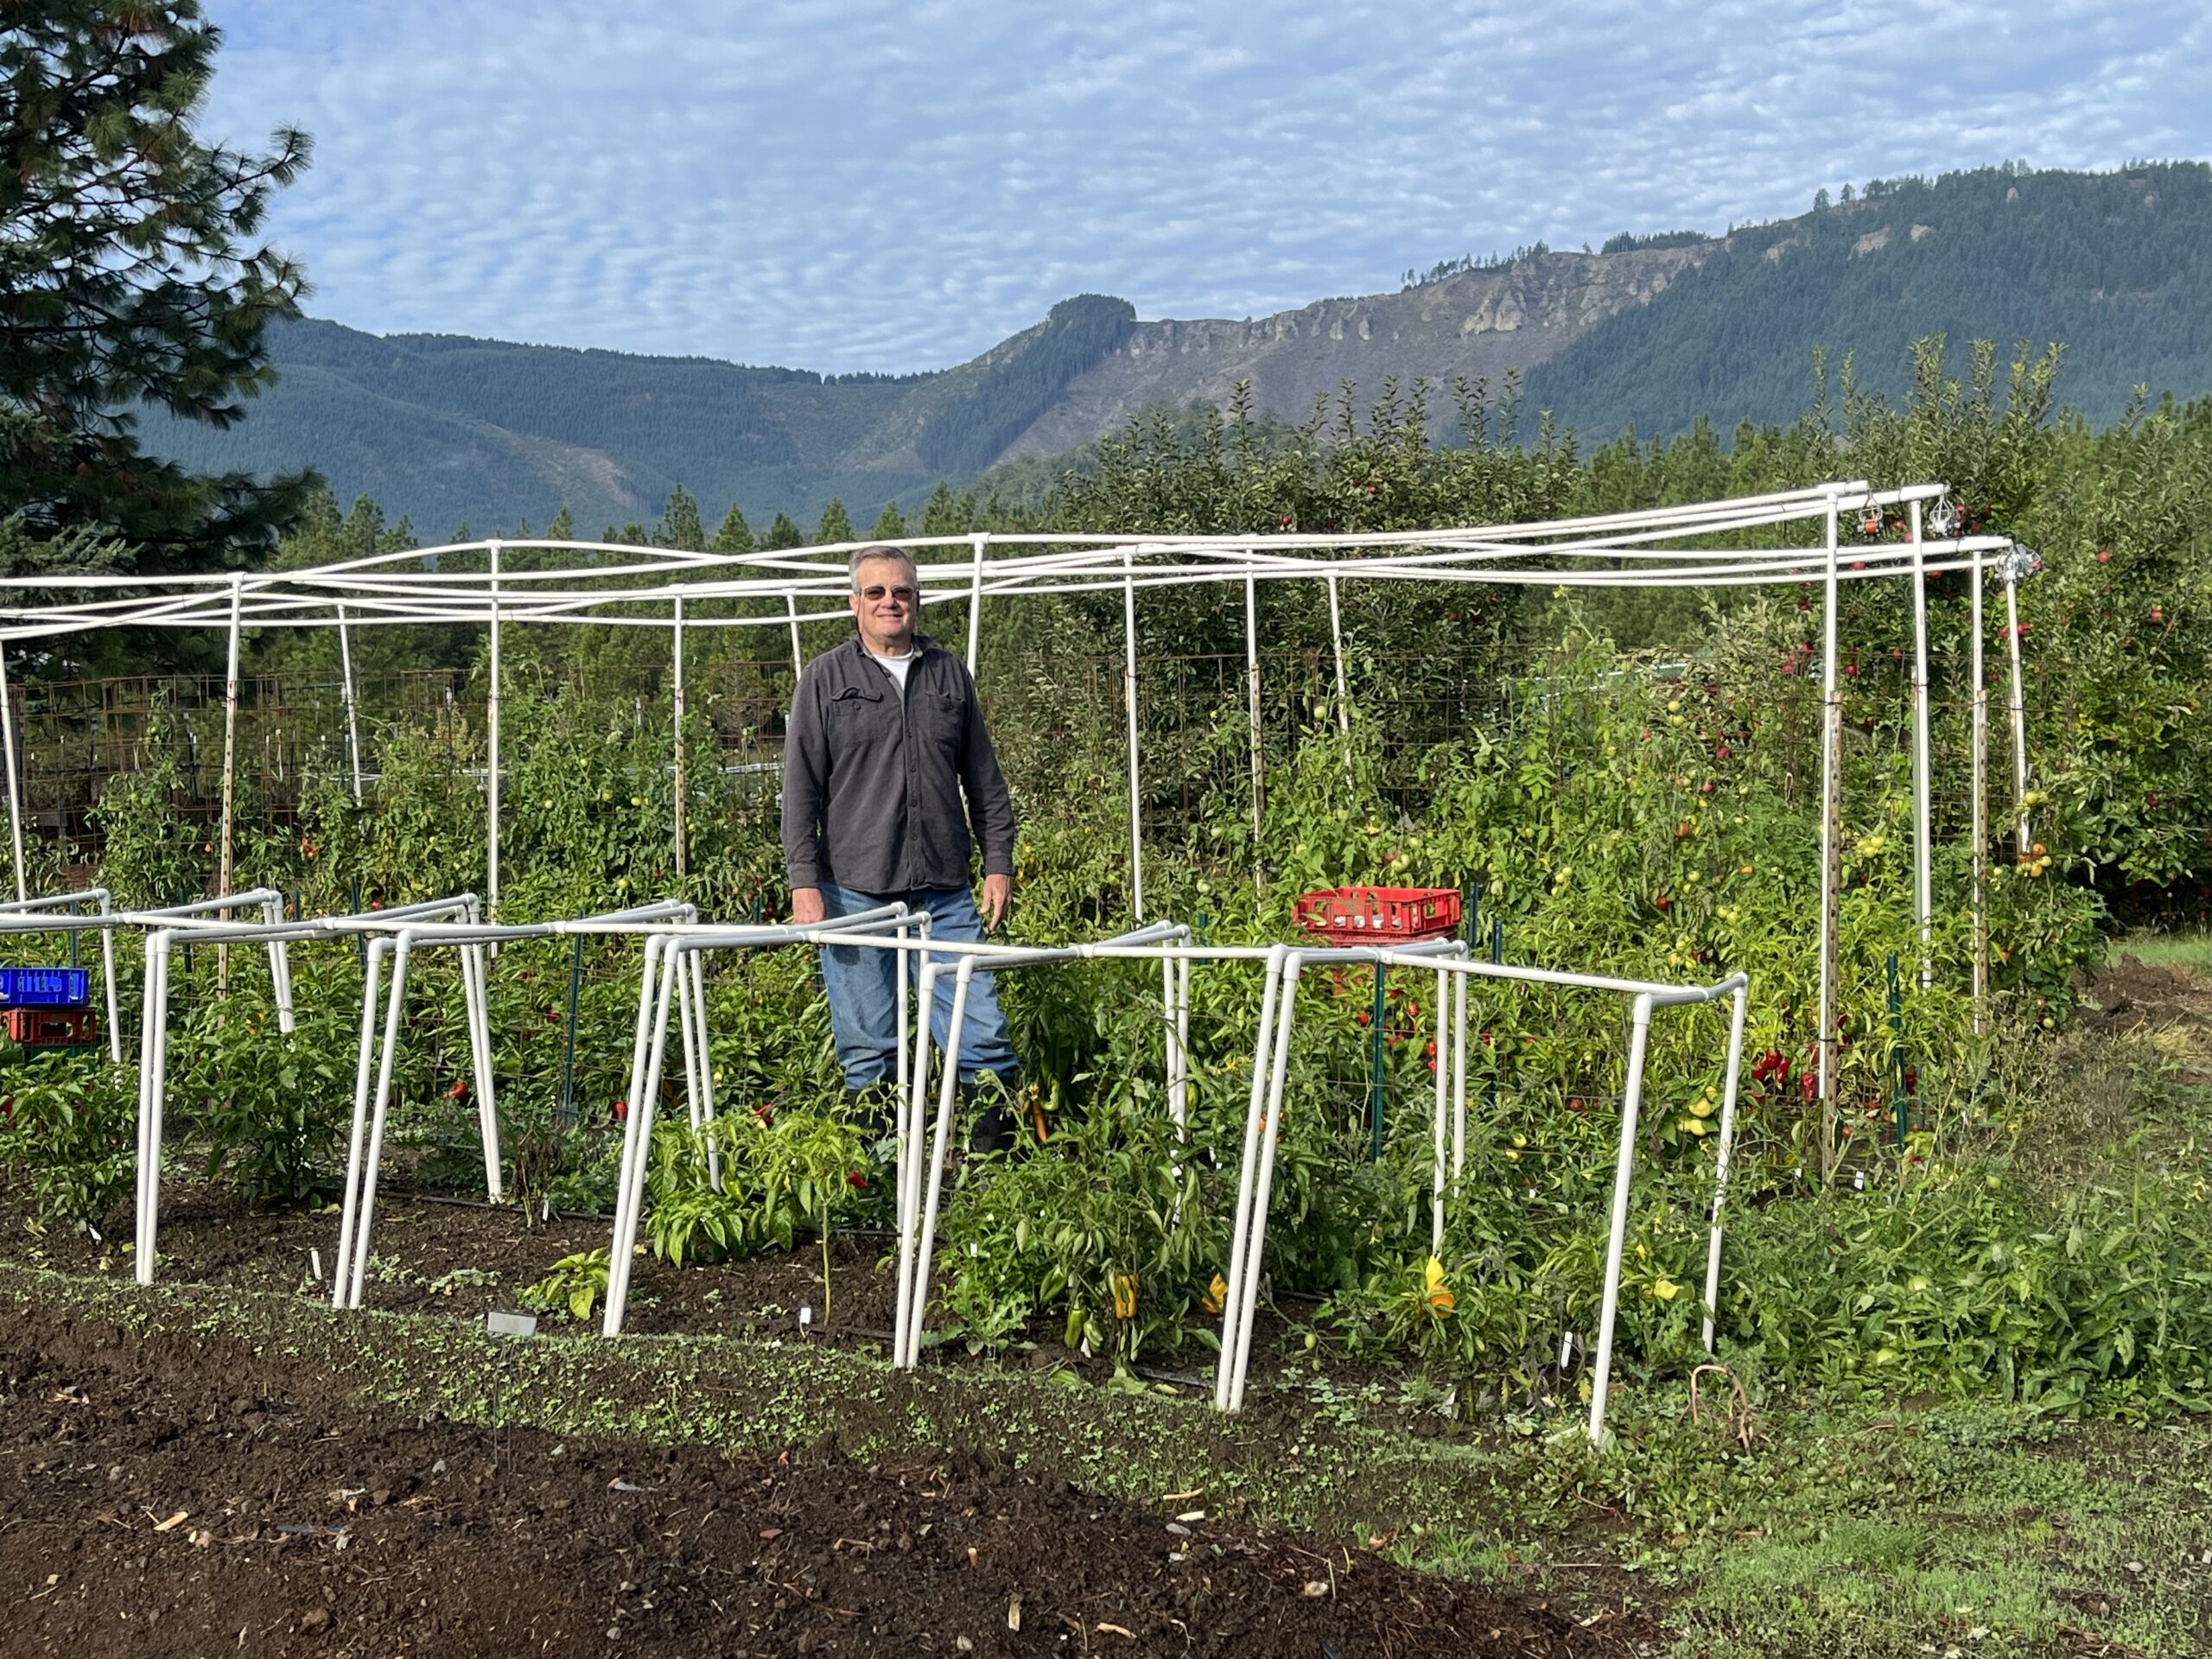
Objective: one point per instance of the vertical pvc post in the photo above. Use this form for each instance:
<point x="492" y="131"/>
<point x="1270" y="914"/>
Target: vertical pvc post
<point x="1129" y="699"/>
<point x="150" y="1087"/>
<point x="676" y="688"/>
<point x="791" y="608"/>
<point x="1252" y="706"/>
<point x="1623" y="1165"/>
<point x="1978" y="789"/>
<point x="1923" y="832"/>
<point x="975" y="603"/>
<point x="1831" y="854"/>
<point x="366" y="1218"/>
<point x="1336" y="649"/>
<point x="226" y="855"/>
<point x="1720" y="1165"/>
<point x="1263" y="1185"/>
<point x="14" y="781"/>
<point x="914" y="1277"/>
<point x="1247" y="1176"/>
<point x="492" y="767"/>
<point x="2020" y="713"/>
<point x="1460" y="1073"/>
<point x="1442" y="1063"/>
<point x="357" y="1144"/>
<point x="353" y="706"/>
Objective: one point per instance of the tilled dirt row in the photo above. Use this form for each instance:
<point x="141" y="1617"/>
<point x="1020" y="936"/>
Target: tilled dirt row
<point x="226" y="1500"/>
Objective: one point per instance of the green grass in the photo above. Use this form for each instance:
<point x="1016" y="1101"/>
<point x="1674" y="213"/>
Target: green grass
<point x="2167" y="949"/>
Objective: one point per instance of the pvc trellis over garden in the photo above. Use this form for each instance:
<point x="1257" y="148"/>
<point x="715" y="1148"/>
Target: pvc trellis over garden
<point x="1616" y="549"/>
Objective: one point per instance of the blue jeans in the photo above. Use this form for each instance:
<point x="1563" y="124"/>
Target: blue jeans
<point x="863" y="985"/>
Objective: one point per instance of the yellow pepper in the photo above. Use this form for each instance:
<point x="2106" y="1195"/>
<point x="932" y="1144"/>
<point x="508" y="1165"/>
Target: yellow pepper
<point x="1125" y="1296"/>
<point x="1216" y="1294"/>
<point x="1438" y="1293"/>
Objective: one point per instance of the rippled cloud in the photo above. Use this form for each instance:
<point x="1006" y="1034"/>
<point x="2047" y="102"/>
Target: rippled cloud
<point x="856" y="185"/>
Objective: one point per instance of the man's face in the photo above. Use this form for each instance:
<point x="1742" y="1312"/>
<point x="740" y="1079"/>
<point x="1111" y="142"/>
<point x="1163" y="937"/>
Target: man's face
<point x="884" y="602"/>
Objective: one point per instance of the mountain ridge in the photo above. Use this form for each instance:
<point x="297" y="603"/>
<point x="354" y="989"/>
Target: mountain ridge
<point x="448" y="429"/>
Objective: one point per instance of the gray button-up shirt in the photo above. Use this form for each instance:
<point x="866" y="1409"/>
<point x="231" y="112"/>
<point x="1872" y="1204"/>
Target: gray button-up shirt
<point x="872" y="782"/>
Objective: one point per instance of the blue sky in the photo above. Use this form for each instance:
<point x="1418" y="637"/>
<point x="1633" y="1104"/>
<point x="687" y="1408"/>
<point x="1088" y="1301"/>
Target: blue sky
<point x="843" y="184"/>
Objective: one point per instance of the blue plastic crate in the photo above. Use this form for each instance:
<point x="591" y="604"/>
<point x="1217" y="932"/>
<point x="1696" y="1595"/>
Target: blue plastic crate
<point x="45" y="988"/>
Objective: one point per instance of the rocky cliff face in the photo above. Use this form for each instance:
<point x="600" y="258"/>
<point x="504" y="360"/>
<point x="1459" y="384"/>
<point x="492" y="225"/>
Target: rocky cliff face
<point x="1481" y="322"/>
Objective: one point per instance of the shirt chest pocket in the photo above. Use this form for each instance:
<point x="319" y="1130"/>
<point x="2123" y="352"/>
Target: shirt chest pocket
<point x="858" y="717"/>
<point x="938" y="717"/>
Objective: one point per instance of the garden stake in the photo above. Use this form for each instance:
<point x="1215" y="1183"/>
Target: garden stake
<point x="568" y="1041"/>
<point x="73" y="963"/>
<point x="1896" y="1052"/>
<point x="1375" y="1065"/>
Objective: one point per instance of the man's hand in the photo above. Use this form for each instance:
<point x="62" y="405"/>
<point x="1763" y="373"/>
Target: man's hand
<point x="806" y="906"/>
<point x="997" y="890"/>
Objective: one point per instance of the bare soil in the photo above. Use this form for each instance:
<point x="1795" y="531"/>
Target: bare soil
<point x="230" y="1496"/>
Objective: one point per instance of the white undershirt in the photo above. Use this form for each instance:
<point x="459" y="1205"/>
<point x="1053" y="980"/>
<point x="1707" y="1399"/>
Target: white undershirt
<point x="896" y="667"/>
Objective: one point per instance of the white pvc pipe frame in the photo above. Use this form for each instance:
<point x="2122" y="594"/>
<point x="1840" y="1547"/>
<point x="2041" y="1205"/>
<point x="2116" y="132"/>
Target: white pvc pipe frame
<point x="33" y="916"/>
<point x="366" y="592"/>
<point x="1447" y="960"/>
<point x="330" y="594"/>
<point x="890" y="927"/>
<point x="673" y="973"/>
<point x="277" y="934"/>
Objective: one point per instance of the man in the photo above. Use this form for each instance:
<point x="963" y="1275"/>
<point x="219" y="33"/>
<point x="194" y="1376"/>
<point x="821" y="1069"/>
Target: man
<point x="886" y="736"/>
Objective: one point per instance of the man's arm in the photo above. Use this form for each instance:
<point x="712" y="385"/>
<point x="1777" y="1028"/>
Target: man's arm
<point x="990" y="808"/>
<point x="806" y="772"/>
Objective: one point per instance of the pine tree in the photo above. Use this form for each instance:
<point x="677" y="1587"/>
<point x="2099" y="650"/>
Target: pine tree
<point x="127" y="278"/>
<point x="889" y="527"/>
<point x="836" y="525"/>
<point x="782" y="532"/>
<point x="563" y="527"/>
<point x="735" y="536"/>
<point x="679" y="523"/>
<point x="946" y="514"/>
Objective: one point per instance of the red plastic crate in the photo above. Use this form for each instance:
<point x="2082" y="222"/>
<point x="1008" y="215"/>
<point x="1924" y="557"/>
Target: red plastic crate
<point x="1395" y="915"/>
<point x="54" y="1027"/>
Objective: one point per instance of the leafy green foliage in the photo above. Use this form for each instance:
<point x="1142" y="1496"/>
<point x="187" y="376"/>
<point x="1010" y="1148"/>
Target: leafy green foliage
<point x="68" y="1122"/>
<point x="781" y="1171"/>
<point x="575" y="1282"/>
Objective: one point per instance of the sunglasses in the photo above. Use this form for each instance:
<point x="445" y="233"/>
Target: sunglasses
<point x="877" y="593"/>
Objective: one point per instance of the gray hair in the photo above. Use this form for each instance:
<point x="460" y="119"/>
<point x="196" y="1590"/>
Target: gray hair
<point x="862" y="555"/>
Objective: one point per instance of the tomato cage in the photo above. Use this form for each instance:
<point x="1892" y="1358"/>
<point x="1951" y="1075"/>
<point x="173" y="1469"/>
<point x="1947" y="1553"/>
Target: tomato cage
<point x="1453" y="968"/>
